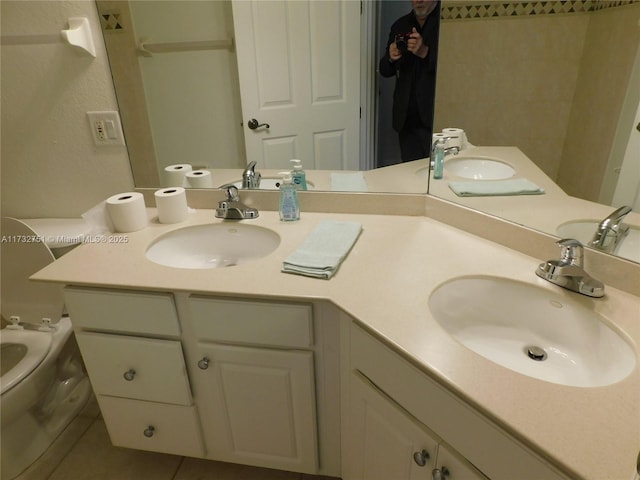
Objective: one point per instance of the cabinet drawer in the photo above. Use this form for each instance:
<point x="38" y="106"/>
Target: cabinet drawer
<point x="260" y="323"/>
<point x="133" y="367"/>
<point x="152" y="426"/>
<point x="122" y="311"/>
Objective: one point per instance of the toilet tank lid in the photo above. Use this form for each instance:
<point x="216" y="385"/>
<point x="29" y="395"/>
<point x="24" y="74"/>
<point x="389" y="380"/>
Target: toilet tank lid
<point x="59" y="232"/>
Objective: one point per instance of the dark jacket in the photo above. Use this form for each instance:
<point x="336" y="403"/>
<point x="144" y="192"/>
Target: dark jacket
<point x="415" y="77"/>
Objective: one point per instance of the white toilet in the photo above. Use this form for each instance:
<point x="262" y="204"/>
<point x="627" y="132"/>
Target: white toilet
<point x="43" y="383"/>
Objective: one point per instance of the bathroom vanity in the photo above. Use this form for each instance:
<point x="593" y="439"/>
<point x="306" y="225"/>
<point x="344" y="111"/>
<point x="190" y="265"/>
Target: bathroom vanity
<point x="344" y="377"/>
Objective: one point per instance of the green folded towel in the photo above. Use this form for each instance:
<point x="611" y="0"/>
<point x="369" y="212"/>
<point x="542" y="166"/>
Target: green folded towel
<point x="348" y="182"/>
<point x="516" y="186"/>
<point x="323" y="250"/>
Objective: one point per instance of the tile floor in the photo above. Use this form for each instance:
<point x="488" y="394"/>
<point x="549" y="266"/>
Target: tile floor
<point x="84" y="452"/>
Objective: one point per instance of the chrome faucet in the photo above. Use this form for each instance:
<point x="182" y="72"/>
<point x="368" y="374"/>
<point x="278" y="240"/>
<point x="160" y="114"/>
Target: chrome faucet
<point x="232" y="208"/>
<point x="251" y="178"/>
<point x="447" y="151"/>
<point x="610" y="231"/>
<point x="568" y="271"/>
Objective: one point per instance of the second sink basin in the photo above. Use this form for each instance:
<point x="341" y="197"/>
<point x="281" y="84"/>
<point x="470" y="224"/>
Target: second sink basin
<point x="213" y="246"/>
<point x="478" y="168"/>
<point x="532" y="331"/>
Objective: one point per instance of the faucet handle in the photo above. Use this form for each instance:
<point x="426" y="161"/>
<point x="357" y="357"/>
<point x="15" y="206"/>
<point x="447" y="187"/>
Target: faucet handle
<point x="571" y="251"/>
<point x="232" y="193"/>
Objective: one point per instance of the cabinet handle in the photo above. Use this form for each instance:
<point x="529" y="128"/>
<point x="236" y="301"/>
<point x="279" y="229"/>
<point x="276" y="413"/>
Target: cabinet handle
<point x="440" y="473"/>
<point x="421" y="457"/>
<point x="149" y="431"/>
<point x="204" y="363"/>
<point x="129" y="375"/>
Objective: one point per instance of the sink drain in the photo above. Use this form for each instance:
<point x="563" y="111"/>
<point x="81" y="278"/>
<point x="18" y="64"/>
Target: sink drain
<point x="535" y="353"/>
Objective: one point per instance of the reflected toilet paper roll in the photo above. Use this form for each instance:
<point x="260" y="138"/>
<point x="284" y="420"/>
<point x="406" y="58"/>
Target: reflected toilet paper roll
<point x="127" y="212"/>
<point x="175" y="175"/>
<point x="457" y="137"/>
<point x="439" y="136"/>
<point x="199" y="179"/>
<point x="172" y="205"/>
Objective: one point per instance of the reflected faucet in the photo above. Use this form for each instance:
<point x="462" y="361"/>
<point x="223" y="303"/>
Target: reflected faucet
<point x="611" y="231"/>
<point x="251" y="178"/>
<point x="232" y="208"/>
<point x="447" y="151"/>
<point x="568" y="272"/>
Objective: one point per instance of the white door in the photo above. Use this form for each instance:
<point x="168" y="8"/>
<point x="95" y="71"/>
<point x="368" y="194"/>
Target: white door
<point x="299" y="70"/>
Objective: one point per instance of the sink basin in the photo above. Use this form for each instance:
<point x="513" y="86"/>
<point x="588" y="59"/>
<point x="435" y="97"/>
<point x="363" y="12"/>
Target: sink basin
<point x="583" y="231"/>
<point x="272" y="184"/>
<point x="532" y="331"/>
<point x="478" y="168"/>
<point x="213" y="246"/>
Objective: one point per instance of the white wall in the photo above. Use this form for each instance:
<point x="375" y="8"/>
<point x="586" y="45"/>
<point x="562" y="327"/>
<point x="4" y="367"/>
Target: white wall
<point x="50" y="166"/>
<point x="201" y="125"/>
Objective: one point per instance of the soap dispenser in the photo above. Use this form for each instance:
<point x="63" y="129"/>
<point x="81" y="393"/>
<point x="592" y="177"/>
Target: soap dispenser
<point x="298" y="176"/>
<point x="438" y="164"/>
<point x="289" y="206"/>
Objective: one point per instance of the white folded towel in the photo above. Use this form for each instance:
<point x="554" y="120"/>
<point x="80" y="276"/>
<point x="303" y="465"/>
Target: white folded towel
<point x="516" y="186"/>
<point x="348" y="182"/>
<point x="323" y="250"/>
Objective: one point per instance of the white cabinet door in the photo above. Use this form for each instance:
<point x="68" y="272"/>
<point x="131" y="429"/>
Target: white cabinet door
<point x="260" y="406"/>
<point x="453" y="467"/>
<point x="385" y="442"/>
<point x="299" y="71"/>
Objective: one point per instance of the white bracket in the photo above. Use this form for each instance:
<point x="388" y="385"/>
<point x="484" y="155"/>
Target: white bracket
<point x="79" y="35"/>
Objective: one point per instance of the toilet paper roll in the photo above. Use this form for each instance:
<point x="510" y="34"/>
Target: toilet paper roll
<point x="175" y="175"/>
<point x="457" y="137"/>
<point x="127" y="212"/>
<point x="199" y="179"/>
<point x="437" y="136"/>
<point x="172" y="204"/>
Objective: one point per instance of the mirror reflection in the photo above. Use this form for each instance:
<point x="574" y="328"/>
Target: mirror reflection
<point x="547" y="94"/>
<point x="547" y="83"/>
<point x="214" y="85"/>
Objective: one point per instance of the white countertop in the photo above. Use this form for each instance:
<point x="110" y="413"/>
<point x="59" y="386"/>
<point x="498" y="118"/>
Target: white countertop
<point x="385" y="283"/>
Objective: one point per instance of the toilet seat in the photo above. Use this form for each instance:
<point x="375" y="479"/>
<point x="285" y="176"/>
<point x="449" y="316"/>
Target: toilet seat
<point x="38" y="345"/>
<point x="23" y="254"/>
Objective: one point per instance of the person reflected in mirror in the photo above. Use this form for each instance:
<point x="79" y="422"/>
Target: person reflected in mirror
<point x="411" y="56"/>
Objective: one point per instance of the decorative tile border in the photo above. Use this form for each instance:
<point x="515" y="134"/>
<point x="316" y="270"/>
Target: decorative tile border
<point x="111" y="21"/>
<point x="463" y="10"/>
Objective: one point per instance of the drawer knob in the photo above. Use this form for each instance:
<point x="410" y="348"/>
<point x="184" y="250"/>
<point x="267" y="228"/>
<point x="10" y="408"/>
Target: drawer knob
<point x="149" y="431"/>
<point x="204" y="363"/>
<point x="421" y="457"/>
<point x="129" y="375"/>
<point x="440" y="473"/>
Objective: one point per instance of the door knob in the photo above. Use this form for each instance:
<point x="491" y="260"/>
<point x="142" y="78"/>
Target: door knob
<point x="253" y="124"/>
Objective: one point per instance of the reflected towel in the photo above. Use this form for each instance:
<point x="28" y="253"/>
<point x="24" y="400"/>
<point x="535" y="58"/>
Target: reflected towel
<point x="348" y="182"/>
<point x="323" y="250"/>
<point x="517" y="186"/>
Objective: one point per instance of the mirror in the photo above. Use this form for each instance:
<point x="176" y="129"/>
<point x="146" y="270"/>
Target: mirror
<point x="532" y="112"/>
<point x="210" y="84"/>
<point x="561" y="82"/>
